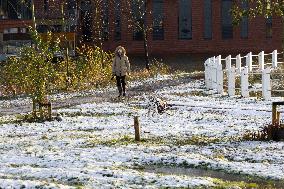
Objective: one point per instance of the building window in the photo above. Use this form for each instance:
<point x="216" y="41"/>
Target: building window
<point x="117" y="23"/>
<point x="72" y="15"/>
<point x="23" y="30"/>
<point x="12" y="11"/>
<point x="269" y="27"/>
<point x="3" y="9"/>
<point x="42" y="28"/>
<point x="55" y="28"/>
<point x="15" y="9"/>
<point x="105" y="20"/>
<point x="244" y="22"/>
<point x="87" y="25"/>
<point x="71" y="8"/>
<point x="158" y="28"/>
<point x="138" y="10"/>
<point x="227" y="26"/>
<point x="10" y="30"/>
<point x="45" y="5"/>
<point x="207" y="19"/>
<point x="185" y="19"/>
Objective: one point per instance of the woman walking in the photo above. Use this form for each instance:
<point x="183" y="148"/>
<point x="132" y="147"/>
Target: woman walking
<point x="120" y="68"/>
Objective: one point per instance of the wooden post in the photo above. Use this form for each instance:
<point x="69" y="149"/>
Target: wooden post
<point x="210" y="72"/>
<point x="274" y="59"/>
<point x="41" y="109"/>
<point x="214" y="73"/>
<point x="206" y="74"/>
<point x="232" y="81"/>
<point x="220" y="77"/>
<point x="34" y="108"/>
<point x="137" y="128"/>
<point x="238" y="64"/>
<point x="244" y="82"/>
<point x="278" y="118"/>
<point x="266" y="86"/>
<point x="49" y="111"/>
<point x="228" y="62"/>
<point x="261" y="60"/>
<point x="274" y="114"/>
<point x="249" y="61"/>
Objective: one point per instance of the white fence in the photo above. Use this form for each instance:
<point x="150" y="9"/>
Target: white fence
<point x="242" y="67"/>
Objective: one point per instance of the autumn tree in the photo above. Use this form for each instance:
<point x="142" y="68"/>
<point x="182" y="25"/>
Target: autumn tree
<point x="264" y="8"/>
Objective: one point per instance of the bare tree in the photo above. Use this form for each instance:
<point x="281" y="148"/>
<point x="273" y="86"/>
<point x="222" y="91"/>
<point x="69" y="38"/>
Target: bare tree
<point x="95" y="22"/>
<point x="137" y="11"/>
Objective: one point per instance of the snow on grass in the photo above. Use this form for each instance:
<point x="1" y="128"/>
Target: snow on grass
<point x="11" y="183"/>
<point x="93" y="146"/>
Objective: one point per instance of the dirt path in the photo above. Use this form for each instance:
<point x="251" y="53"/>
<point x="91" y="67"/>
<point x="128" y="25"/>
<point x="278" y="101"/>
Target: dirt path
<point x="136" y="91"/>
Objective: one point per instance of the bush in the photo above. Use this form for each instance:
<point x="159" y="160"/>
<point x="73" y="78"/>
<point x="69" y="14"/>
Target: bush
<point x="36" y="74"/>
<point x="92" y="68"/>
<point x="156" y="68"/>
<point x="32" y="71"/>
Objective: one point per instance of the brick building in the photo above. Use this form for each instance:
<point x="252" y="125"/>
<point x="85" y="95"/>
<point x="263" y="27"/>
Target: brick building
<point x="58" y="16"/>
<point x="198" y="27"/>
<point x="179" y="26"/>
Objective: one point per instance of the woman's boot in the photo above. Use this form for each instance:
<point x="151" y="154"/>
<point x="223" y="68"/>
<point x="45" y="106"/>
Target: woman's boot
<point x="119" y="90"/>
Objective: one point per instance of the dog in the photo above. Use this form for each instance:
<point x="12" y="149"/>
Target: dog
<point x="155" y="105"/>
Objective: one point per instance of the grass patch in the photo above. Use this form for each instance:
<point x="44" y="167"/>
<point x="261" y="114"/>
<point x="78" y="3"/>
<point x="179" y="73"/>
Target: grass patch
<point x="155" y="141"/>
<point x="124" y="140"/>
<point x="2" y="122"/>
<point x="220" y="184"/>
<point x="192" y="93"/>
<point x="89" y="114"/>
<point x="228" y="181"/>
<point x="196" y="140"/>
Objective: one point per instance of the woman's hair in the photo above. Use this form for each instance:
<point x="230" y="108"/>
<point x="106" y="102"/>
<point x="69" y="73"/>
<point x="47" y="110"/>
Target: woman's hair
<point x="122" y="48"/>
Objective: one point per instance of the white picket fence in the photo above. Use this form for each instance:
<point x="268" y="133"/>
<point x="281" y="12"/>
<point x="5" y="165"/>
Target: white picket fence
<point x="215" y="67"/>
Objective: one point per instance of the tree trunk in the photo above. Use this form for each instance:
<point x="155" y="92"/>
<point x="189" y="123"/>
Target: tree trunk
<point x="145" y="39"/>
<point x="283" y="36"/>
<point x="67" y="69"/>
<point x="102" y="52"/>
<point x="146" y="54"/>
<point x="33" y="15"/>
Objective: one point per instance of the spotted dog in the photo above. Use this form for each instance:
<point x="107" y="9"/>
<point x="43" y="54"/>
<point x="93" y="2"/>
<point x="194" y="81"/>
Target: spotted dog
<point x="155" y="105"/>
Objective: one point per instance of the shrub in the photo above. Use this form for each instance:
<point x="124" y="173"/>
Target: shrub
<point x="32" y="71"/>
<point x="156" y="68"/>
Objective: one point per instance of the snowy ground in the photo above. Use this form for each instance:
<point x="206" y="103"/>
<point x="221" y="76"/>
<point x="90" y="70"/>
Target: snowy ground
<point x="93" y="146"/>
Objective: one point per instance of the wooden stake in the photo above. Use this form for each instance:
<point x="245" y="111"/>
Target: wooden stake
<point x="34" y="108"/>
<point x="278" y="118"/>
<point x="49" y="111"/>
<point x="274" y="114"/>
<point x="137" y="128"/>
<point x="41" y="109"/>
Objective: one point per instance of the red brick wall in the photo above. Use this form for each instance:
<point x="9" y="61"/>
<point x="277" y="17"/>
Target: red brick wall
<point x="255" y="42"/>
<point x="14" y="24"/>
<point x="54" y="12"/>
